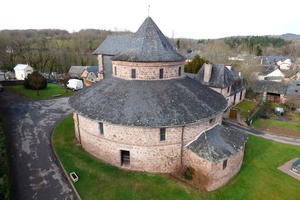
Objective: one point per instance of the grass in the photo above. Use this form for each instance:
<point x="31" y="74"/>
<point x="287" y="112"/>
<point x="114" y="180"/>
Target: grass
<point x="258" y="179"/>
<point x="277" y="127"/>
<point x="245" y="107"/>
<point x="47" y="93"/>
<point x="4" y="170"/>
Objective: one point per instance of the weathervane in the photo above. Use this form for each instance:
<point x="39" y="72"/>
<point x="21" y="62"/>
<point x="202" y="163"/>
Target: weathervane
<point x="148" y="10"/>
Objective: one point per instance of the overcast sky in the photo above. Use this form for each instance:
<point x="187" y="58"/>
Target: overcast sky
<point x="185" y="18"/>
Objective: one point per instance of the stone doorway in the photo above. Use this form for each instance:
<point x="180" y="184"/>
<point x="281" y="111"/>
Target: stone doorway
<point x="125" y="158"/>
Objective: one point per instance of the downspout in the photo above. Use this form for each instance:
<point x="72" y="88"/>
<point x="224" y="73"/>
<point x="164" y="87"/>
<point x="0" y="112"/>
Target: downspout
<point x="78" y="129"/>
<point x="181" y="150"/>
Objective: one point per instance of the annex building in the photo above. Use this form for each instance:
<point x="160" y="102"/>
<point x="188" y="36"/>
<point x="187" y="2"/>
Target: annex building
<point x="148" y="117"/>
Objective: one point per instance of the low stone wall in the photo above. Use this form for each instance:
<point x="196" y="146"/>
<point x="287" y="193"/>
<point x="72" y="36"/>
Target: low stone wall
<point x="147" y="71"/>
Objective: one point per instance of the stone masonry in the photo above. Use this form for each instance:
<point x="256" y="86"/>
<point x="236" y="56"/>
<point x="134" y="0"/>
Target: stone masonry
<point x="147" y="71"/>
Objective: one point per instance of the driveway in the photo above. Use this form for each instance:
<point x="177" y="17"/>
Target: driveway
<point x="35" y="171"/>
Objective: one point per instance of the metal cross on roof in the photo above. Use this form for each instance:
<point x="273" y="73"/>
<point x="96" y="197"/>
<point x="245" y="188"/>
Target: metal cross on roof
<point x="148" y="10"/>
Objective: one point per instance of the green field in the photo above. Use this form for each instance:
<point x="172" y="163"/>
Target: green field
<point x="278" y="127"/>
<point x="258" y="179"/>
<point x="245" y="107"/>
<point x="48" y="93"/>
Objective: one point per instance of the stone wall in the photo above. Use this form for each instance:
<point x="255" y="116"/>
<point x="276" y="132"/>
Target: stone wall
<point x="147" y="71"/>
<point x="147" y="152"/>
<point x="209" y="175"/>
<point x="219" y="177"/>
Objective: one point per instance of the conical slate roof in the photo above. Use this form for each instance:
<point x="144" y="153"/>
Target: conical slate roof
<point x="149" y="44"/>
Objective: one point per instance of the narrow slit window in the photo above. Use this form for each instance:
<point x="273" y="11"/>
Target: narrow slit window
<point x="241" y="95"/>
<point x="133" y="73"/>
<point x="161" y="73"/>
<point x="101" y="128"/>
<point x="228" y="89"/>
<point x="115" y="70"/>
<point x="162" y="135"/>
<point x="179" y="71"/>
<point x="224" y="164"/>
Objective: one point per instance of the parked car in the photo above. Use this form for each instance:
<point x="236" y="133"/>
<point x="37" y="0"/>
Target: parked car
<point x="75" y="84"/>
<point x="1" y="88"/>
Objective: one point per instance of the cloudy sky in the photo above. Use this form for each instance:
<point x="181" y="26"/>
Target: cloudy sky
<point x="179" y="18"/>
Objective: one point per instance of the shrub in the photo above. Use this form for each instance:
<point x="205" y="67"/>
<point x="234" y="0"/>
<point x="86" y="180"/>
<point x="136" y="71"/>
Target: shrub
<point x="35" y="81"/>
<point x="194" y="65"/>
<point x="188" y="173"/>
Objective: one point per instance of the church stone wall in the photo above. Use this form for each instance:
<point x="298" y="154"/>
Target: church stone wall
<point x="147" y="71"/>
<point x="209" y="175"/>
<point x="147" y="152"/>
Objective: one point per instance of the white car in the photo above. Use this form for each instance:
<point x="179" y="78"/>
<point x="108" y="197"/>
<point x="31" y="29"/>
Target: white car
<point x="75" y="84"/>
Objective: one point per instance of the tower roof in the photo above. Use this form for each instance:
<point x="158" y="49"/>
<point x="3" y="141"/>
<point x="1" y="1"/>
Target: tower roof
<point x="149" y="44"/>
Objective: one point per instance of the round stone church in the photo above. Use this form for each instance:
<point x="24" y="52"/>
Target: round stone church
<point x="149" y="117"/>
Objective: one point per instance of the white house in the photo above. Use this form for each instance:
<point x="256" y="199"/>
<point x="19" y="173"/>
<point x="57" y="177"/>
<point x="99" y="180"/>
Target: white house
<point x="272" y="75"/>
<point x="22" y="71"/>
<point x="285" y="64"/>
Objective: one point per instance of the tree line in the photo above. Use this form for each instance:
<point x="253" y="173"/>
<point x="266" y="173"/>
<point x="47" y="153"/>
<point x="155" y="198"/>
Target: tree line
<point x="50" y="50"/>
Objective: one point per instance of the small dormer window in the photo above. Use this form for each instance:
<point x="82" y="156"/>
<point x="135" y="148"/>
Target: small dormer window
<point x="133" y="73"/>
<point x="213" y="120"/>
<point x="161" y="73"/>
<point x="228" y="89"/>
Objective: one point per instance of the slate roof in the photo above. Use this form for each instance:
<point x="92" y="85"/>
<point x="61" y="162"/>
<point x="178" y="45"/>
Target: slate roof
<point x="149" y="44"/>
<point x="270" y="60"/>
<point x="114" y="44"/>
<point x="76" y="71"/>
<point x="293" y="88"/>
<point x="93" y="69"/>
<point x="159" y="103"/>
<point x="268" y="69"/>
<point x="270" y="86"/>
<point x="221" y="76"/>
<point x="218" y="143"/>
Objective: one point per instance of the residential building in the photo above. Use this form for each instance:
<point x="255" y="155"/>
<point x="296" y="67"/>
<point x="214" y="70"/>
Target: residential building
<point x="22" y="71"/>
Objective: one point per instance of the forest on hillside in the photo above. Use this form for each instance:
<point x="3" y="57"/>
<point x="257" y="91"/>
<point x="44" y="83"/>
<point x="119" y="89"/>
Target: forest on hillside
<point x="50" y="50"/>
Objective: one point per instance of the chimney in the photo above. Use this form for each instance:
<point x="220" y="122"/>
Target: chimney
<point x="207" y="72"/>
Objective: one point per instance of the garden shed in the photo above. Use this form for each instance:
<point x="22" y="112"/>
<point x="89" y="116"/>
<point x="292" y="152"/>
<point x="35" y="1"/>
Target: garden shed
<point x="22" y="71"/>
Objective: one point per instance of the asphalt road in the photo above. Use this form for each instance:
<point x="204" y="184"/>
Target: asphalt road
<point x="35" y="171"/>
<point x="268" y="136"/>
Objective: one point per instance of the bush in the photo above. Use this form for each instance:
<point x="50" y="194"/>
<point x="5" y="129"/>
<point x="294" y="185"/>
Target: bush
<point x="194" y="66"/>
<point x="35" y="81"/>
<point x="188" y="173"/>
<point x="250" y="94"/>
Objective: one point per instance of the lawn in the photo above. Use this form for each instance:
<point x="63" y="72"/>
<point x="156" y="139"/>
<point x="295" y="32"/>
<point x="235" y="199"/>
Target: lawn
<point x="278" y="127"/>
<point x="245" y="107"/>
<point x="258" y="179"/>
<point x="4" y="169"/>
<point x="50" y="92"/>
